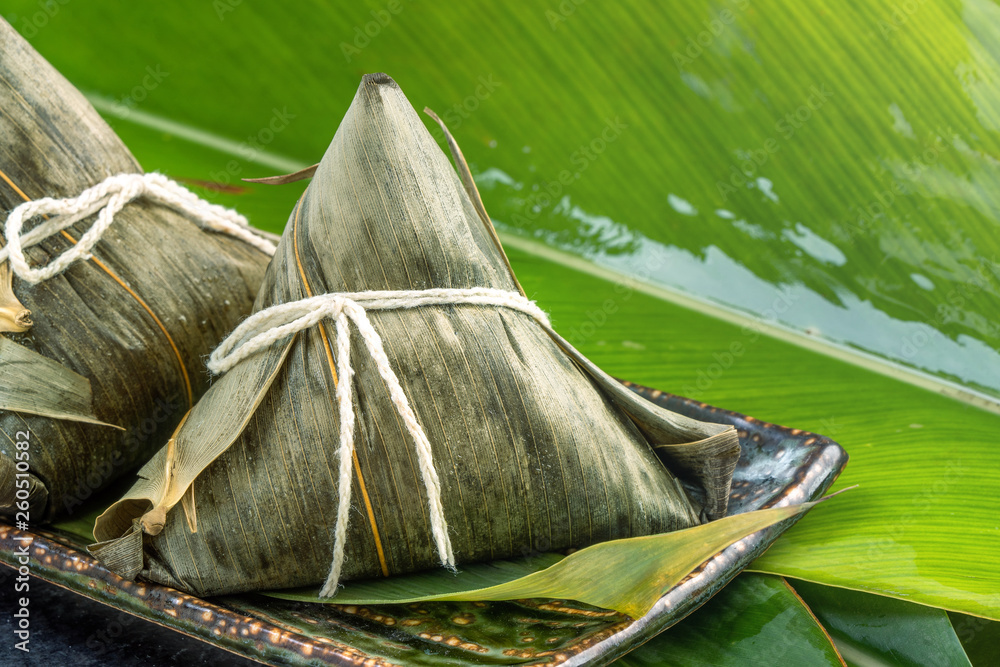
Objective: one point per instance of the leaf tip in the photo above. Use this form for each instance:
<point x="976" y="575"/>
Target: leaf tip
<point x="14" y="317"/>
<point x="154" y="520"/>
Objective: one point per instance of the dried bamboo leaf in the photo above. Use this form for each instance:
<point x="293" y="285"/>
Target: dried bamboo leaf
<point x="709" y="462"/>
<point x="472" y="191"/>
<point x="190" y="509"/>
<point x="38" y="495"/>
<point x="168" y="477"/>
<point x="119" y="554"/>
<point x="14" y="317"/>
<point x="535" y="448"/>
<point x="700" y="452"/>
<point x="36" y="385"/>
<point x="135" y="320"/>
<point x="284" y="179"/>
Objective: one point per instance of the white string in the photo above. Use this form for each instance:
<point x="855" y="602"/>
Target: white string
<point x="273" y="324"/>
<point x="109" y="197"/>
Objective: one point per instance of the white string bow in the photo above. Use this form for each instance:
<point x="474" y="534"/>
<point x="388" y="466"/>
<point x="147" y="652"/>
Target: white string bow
<point x="273" y="324"/>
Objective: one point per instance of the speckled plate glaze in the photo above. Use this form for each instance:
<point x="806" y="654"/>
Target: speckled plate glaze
<point x="778" y="466"/>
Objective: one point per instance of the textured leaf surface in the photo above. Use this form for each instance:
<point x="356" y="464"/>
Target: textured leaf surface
<point x="873" y="630"/>
<point x="627" y="575"/>
<point x="980" y="638"/>
<point x="867" y="204"/>
<point x="132" y="321"/>
<point x="915" y="531"/>
<point x="37" y="385"/>
<point x="755" y="620"/>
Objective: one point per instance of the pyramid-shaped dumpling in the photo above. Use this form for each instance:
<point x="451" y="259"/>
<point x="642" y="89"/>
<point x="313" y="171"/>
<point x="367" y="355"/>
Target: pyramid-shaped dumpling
<point x="97" y="376"/>
<point x="533" y="446"/>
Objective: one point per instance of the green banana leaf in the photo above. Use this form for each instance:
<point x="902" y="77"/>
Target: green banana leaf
<point x="875" y="630"/>
<point x="756" y="620"/>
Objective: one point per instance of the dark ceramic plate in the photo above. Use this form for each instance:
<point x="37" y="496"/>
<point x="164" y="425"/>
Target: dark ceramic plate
<point x="778" y="466"/>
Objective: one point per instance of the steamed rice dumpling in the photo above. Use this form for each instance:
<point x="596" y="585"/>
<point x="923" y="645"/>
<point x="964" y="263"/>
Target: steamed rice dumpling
<point x="101" y="351"/>
<point x="396" y="403"/>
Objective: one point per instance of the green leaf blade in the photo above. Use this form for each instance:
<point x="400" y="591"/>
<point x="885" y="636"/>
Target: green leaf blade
<point x="920" y="528"/>
<point x="980" y="638"/>
<point x="627" y="575"/>
<point x="874" y="629"/>
<point x="755" y="620"/>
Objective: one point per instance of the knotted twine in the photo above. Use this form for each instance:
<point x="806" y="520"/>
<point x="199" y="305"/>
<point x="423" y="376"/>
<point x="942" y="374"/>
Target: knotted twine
<point x="273" y="324"/>
<point x="109" y="197"/>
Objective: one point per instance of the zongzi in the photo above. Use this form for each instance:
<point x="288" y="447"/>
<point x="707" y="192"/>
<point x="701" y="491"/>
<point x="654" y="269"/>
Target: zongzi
<point x="396" y="402"/>
<point x="107" y="305"/>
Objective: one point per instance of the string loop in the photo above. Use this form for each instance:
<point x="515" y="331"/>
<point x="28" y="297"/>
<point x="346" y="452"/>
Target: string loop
<point x="107" y="199"/>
